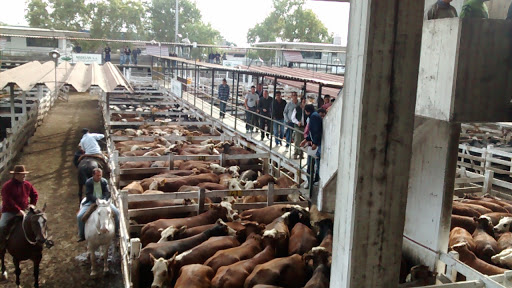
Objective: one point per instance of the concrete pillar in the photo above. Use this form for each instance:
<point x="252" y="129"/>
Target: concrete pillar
<point x="431" y="183"/>
<point x="375" y="143"/>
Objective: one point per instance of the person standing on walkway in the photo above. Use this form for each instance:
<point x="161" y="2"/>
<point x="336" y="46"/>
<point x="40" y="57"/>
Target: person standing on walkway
<point x="474" y="9"/>
<point x="223" y="97"/>
<point x="314" y="139"/>
<point x="264" y="109"/>
<point x="127" y="55"/>
<point x="288" y="112"/>
<point x="107" y="53"/>
<point x="441" y="9"/>
<point x="251" y="103"/>
<point x="16" y="194"/>
<point x="299" y="122"/>
<point x="278" y="106"/>
<point x="96" y="187"/>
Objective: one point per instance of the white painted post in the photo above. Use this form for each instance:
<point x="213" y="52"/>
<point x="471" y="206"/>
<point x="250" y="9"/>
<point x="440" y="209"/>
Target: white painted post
<point x="124" y="200"/>
<point x="489" y="176"/>
<point x="201" y="199"/>
<point x="13" y="111"/>
<point x="117" y="169"/>
<point x="451" y="272"/>
<point x="375" y="142"/>
<point x="270" y="194"/>
<point x="171" y="161"/>
<point x="135" y="247"/>
<point x="24" y="104"/>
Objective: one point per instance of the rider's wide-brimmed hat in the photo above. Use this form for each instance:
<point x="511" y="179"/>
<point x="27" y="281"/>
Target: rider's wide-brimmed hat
<point x="19" y="169"/>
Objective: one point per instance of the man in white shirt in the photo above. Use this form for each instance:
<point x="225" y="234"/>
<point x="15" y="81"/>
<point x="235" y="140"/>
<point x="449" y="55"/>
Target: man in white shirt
<point x="90" y="146"/>
<point x="251" y="102"/>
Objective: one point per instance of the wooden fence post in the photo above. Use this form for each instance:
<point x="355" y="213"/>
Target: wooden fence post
<point x="135" y="247"/>
<point x="201" y="198"/>
<point x="270" y="194"/>
<point x="489" y="175"/>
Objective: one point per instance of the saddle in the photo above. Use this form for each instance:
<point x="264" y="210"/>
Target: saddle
<point x="89" y="211"/>
<point x="101" y="157"/>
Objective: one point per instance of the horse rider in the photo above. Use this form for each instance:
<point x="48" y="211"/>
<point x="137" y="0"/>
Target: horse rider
<point x="95" y="187"/>
<point x="15" y="199"/>
<point x="90" y="146"/>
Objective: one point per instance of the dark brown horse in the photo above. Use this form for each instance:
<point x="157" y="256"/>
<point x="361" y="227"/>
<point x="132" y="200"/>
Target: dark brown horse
<point x="26" y="242"/>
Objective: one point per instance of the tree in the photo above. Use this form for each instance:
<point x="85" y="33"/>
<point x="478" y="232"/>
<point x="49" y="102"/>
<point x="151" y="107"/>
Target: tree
<point x="289" y="22"/>
<point x="161" y="19"/>
<point x="57" y="14"/>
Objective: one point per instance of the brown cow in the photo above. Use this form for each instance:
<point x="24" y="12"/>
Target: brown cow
<point x="201" y="166"/>
<point x="267" y="214"/>
<point x="174" y="184"/>
<point x="496" y="217"/>
<point x="281" y="227"/>
<point x="247" y="250"/>
<point x="470" y="259"/>
<point x="325" y="228"/>
<point x="151" y="232"/>
<point x="505" y="241"/>
<point x="263" y="180"/>
<point x="465" y="222"/>
<point x="485" y="245"/>
<point x="285" y="182"/>
<point x="212" y="186"/>
<point x="321" y="265"/>
<point x="479" y="208"/>
<point x="194" y="276"/>
<point x="169" y="234"/>
<point x="463" y="210"/>
<point x="489" y="205"/>
<point x="208" y="149"/>
<point x="201" y="253"/>
<point x="460" y="235"/>
<point x="278" y="272"/>
<point x="302" y="239"/>
<point x="153" y="215"/>
<point x="154" y="251"/>
<point x="235" y="274"/>
<point x="134" y="188"/>
<point x="133" y="164"/>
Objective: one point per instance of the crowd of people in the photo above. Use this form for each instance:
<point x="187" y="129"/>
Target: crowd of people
<point x="293" y="121"/>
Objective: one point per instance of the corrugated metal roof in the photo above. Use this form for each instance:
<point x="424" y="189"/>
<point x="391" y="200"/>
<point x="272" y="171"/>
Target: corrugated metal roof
<point x="293" y="56"/>
<point x="282" y="73"/>
<point x="80" y="76"/>
<point x="313" y="87"/>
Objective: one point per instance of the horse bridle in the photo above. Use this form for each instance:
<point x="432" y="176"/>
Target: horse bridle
<point x="49" y="243"/>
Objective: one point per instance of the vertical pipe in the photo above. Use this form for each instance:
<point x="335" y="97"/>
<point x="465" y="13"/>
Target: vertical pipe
<point x="213" y="88"/>
<point x="13" y="111"/>
<point x="236" y="95"/>
<point x="319" y="99"/>
<point x="196" y="84"/>
<point x="176" y="15"/>
<point x="232" y="98"/>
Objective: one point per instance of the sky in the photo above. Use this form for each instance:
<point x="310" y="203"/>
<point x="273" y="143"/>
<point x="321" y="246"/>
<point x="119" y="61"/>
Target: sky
<point x="233" y="18"/>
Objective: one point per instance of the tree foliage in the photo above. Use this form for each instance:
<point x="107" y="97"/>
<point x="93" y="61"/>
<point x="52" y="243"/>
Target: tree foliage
<point x="122" y="19"/>
<point x="289" y="21"/>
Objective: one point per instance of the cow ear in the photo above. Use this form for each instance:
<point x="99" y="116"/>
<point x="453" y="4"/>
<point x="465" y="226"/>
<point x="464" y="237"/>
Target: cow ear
<point x="152" y="258"/>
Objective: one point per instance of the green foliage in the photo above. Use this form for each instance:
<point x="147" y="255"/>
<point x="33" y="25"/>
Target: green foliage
<point x="161" y="21"/>
<point x="290" y="22"/>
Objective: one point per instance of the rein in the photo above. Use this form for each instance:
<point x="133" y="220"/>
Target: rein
<point x="25" y="233"/>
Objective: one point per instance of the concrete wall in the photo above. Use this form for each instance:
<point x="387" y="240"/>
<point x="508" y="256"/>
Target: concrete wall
<point x="330" y="151"/>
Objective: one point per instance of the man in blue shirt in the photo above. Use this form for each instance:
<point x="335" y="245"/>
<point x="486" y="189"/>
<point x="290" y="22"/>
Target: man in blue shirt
<point x="223" y="97"/>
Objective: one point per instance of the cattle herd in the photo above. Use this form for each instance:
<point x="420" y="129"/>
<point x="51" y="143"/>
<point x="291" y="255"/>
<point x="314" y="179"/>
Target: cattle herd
<point x="282" y="245"/>
<point x="480" y="233"/>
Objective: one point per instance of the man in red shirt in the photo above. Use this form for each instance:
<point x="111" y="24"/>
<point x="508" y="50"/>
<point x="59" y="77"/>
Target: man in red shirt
<point x="15" y="199"/>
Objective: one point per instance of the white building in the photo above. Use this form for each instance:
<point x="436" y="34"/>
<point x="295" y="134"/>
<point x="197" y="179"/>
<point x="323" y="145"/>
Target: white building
<point x="14" y="40"/>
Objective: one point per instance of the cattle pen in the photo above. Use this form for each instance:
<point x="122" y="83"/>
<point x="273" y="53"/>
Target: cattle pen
<point x="185" y="116"/>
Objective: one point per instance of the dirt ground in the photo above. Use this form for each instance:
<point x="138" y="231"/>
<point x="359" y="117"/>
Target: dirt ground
<point x="49" y="156"/>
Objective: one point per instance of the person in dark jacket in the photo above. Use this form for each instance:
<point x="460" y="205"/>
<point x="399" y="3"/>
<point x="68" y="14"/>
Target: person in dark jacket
<point x="264" y="109"/>
<point x="95" y="187"/>
<point x="314" y="137"/>
<point x="223" y="97"/>
<point x="299" y="123"/>
<point x="278" y="106"/>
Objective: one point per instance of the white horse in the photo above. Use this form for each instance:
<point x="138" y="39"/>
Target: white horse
<point x="99" y="233"/>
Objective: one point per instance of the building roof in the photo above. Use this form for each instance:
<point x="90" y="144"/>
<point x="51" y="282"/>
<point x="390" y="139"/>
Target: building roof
<point x="80" y="76"/>
<point x="298" y="45"/>
<point x="31" y="31"/>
